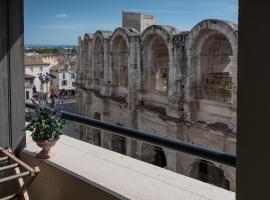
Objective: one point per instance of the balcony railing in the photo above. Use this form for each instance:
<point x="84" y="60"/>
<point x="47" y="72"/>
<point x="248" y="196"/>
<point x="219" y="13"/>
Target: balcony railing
<point x="170" y="143"/>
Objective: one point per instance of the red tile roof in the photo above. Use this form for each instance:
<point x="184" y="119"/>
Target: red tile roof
<point x="37" y="60"/>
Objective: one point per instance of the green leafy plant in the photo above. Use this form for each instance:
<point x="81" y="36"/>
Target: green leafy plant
<point x="47" y="126"/>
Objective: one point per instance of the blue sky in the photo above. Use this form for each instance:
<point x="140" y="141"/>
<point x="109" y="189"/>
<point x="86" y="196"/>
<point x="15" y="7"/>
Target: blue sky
<point x="59" y="22"/>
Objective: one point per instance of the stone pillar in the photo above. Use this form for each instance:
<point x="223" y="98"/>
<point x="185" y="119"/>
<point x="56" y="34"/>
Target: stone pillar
<point x="106" y="47"/>
<point x="110" y="76"/>
<point x="89" y="65"/>
<point x="105" y="82"/>
<point x="128" y="147"/>
<point x="106" y="140"/>
<point x="139" y="149"/>
<point x="132" y="68"/>
<point x="171" y="159"/>
<point x="172" y="71"/>
<point x="233" y="64"/>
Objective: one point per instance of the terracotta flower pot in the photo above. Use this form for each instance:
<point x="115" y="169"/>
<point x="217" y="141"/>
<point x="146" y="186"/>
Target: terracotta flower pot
<point x="46" y="146"/>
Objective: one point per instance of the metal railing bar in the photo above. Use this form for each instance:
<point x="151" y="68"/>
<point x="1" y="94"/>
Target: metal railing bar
<point x="170" y="143"/>
<point x="11" y="166"/>
<point x="14" y="177"/>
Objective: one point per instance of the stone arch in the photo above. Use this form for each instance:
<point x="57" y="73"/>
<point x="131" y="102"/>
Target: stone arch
<point x="211" y="52"/>
<point x="86" y="55"/>
<point x="98" y="57"/>
<point x="210" y="173"/>
<point x="120" y="50"/>
<point x="153" y="155"/>
<point x="157" y="57"/>
<point x="87" y="37"/>
<point x="229" y="173"/>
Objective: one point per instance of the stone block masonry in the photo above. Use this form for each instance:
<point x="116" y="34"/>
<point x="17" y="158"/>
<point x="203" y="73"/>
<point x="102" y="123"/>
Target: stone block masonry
<point x="155" y="78"/>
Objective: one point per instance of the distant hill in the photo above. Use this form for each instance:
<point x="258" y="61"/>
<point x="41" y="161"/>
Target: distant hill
<point x="29" y="46"/>
<point x="50" y="49"/>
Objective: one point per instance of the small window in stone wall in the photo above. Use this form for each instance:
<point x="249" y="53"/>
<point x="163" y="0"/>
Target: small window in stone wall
<point x="27" y="96"/>
<point x="64" y="82"/>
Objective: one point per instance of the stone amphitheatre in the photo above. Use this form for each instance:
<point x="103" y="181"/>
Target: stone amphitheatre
<point x="155" y="78"/>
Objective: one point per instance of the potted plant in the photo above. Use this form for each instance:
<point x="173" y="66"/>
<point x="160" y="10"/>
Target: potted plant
<point x="48" y="125"/>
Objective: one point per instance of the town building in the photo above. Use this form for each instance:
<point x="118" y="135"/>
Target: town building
<point x="29" y="83"/>
<point x="50" y="58"/>
<point x="65" y="78"/>
<point x="155" y="78"/>
<point x="34" y="65"/>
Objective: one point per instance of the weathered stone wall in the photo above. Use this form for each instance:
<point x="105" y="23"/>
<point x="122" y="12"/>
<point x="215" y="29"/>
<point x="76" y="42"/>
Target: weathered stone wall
<point x="162" y="81"/>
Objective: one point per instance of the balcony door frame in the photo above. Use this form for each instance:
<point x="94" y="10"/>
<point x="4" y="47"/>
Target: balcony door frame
<point x="12" y="120"/>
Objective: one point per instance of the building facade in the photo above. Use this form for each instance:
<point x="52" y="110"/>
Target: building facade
<point x="65" y="78"/>
<point x="28" y="83"/>
<point x="178" y="84"/>
<point x="34" y="65"/>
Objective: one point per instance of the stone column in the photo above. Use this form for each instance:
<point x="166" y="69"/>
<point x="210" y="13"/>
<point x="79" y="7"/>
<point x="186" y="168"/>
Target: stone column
<point x="171" y="84"/>
<point x="139" y="149"/>
<point x="105" y="85"/>
<point x="132" y="68"/>
<point x="171" y="159"/>
<point x="89" y="65"/>
<point x="233" y="64"/>
<point x="128" y="147"/>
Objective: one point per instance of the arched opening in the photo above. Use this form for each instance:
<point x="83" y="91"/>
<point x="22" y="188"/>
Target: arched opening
<point x="207" y="172"/>
<point x="120" y="62"/>
<point x="119" y="143"/>
<point x="211" y="59"/>
<point x="153" y="155"/>
<point x="155" y="63"/>
<point x="85" y="56"/>
<point x="97" y="132"/>
<point x="98" y="60"/>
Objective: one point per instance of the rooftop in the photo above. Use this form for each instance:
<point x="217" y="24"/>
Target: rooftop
<point x="34" y="60"/>
<point x="28" y="76"/>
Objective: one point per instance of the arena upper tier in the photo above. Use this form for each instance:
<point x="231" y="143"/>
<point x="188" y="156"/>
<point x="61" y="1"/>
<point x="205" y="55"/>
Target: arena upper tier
<point x="155" y="78"/>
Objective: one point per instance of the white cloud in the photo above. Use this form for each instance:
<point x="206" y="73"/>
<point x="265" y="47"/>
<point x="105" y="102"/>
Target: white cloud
<point x="63" y="26"/>
<point x="80" y="26"/>
<point x="162" y="11"/>
<point x="61" y="15"/>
